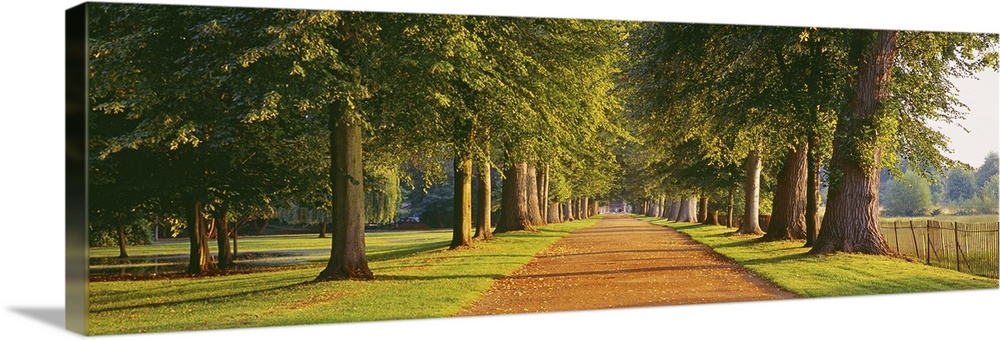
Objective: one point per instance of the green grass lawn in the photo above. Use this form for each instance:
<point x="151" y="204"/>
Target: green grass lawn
<point x="416" y="277"/>
<point x="787" y="264"/>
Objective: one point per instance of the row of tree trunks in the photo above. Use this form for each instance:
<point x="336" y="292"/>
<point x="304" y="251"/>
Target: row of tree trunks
<point x="788" y="217"/>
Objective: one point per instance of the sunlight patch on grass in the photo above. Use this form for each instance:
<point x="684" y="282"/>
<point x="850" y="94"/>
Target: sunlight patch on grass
<point x="788" y="264"/>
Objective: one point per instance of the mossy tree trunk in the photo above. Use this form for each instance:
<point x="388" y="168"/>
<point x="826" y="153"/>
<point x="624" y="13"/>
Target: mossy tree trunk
<point x="851" y="220"/>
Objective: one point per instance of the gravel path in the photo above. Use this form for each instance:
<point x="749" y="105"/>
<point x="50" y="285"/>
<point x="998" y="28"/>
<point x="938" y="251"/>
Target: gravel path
<point x="623" y="262"/>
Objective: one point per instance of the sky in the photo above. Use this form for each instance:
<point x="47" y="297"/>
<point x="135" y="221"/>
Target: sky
<point x="982" y="122"/>
<point x="32" y="192"/>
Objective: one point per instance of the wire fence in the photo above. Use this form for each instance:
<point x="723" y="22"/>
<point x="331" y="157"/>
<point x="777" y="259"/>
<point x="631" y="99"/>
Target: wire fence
<point x="966" y="247"/>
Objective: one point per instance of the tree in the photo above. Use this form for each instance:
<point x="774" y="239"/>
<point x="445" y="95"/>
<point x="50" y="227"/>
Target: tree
<point x="910" y="196"/>
<point x="986" y="201"/>
<point x="877" y="128"/>
<point x="990" y="167"/>
<point x="851" y="220"/>
<point x="959" y="185"/>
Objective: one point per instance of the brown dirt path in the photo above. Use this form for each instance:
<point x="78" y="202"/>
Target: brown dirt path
<point x="623" y="262"/>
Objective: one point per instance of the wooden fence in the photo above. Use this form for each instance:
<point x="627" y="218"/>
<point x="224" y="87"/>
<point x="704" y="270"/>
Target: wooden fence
<point x="968" y="248"/>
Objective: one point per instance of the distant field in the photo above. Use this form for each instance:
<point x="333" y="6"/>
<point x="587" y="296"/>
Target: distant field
<point x="947" y="218"/>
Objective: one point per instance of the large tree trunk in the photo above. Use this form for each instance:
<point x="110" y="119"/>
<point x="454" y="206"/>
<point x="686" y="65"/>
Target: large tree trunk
<point x="593" y="208"/>
<point x="569" y="210"/>
<point x="788" y="216"/>
<point x="200" y="261"/>
<point x="513" y="203"/>
<point x="484" y="223"/>
<point x="322" y="229"/>
<point x="534" y="213"/>
<point x="703" y="209"/>
<point x="225" y="258"/>
<point x="347" y="216"/>
<point x="851" y="220"/>
<point x="462" y="202"/>
<point x="713" y="218"/>
<point x="585" y="207"/>
<point x="752" y="201"/>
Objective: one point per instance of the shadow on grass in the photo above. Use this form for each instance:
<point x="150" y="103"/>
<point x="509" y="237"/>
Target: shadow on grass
<point x="407" y="251"/>
<point x="778" y="259"/>
<point x="204" y="300"/>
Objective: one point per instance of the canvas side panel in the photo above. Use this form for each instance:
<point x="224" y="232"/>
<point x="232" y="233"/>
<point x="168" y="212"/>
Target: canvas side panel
<point x="76" y="169"/>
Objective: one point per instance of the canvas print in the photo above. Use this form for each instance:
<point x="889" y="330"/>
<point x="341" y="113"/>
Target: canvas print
<point x="253" y="167"/>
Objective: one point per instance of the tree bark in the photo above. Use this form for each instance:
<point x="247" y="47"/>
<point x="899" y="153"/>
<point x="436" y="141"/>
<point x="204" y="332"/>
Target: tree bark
<point x="553" y="210"/>
<point x="713" y="219"/>
<point x="462" y="202"/>
<point x="534" y="213"/>
<point x="543" y="194"/>
<point x="322" y="229"/>
<point x="593" y="208"/>
<point x="731" y="208"/>
<point x="788" y="217"/>
<point x="225" y="258"/>
<point x="812" y="191"/>
<point x="851" y="220"/>
<point x="812" y="156"/>
<point x="585" y="207"/>
<point x="688" y="210"/>
<point x="484" y="223"/>
<point x="703" y="209"/>
<point x="513" y="203"/>
<point x="674" y="214"/>
<point x="122" y="254"/>
<point x="347" y="253"/>
<point x="200" y="261"/>
<point x="752" y="191"/>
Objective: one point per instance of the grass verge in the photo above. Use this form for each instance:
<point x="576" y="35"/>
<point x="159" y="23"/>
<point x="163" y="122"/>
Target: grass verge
<point x="415" y="278"/>
<point x="787" y="264"/>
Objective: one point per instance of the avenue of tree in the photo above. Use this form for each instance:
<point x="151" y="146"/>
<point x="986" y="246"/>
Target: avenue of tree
<point x="206" y="119"/>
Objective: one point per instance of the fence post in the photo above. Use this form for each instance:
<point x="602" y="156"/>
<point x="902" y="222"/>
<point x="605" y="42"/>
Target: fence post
<point x="927" y="236"/>
<point x="916" y="246"/>
<point x="958" y="249"/>
<point x="895" y="235"/>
